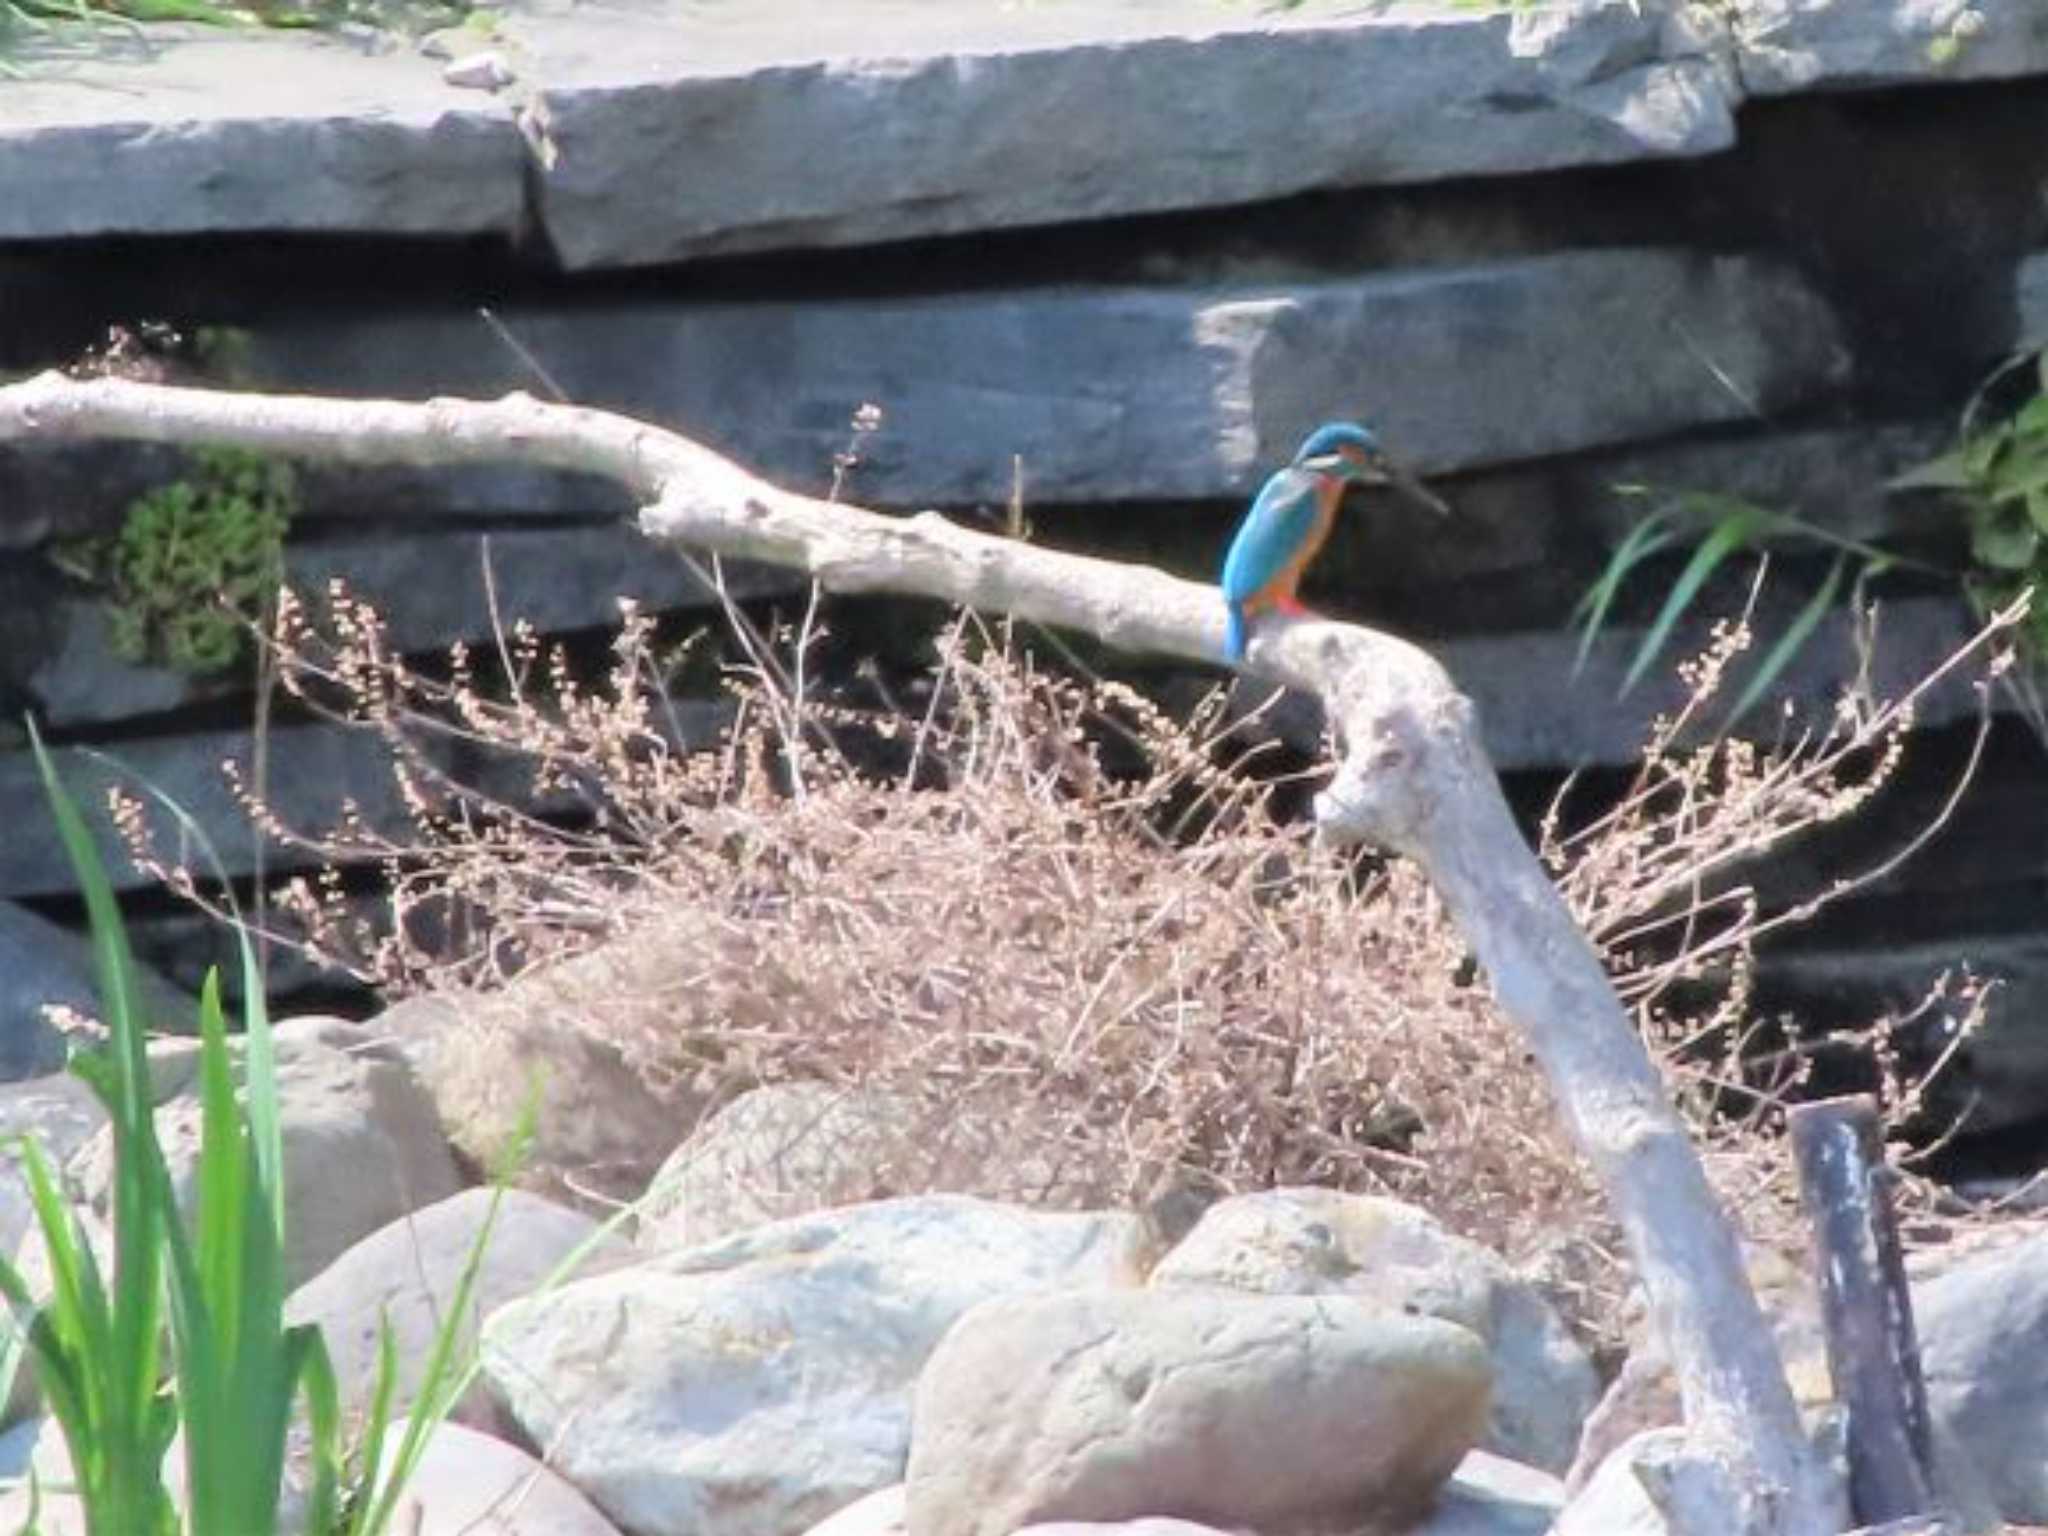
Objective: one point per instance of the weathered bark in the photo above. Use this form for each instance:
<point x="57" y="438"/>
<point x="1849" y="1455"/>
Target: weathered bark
<point x="1412" y="779"/>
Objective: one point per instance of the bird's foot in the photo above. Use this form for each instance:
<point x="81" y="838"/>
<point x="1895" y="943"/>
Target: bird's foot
<point x="1292" y="607"/>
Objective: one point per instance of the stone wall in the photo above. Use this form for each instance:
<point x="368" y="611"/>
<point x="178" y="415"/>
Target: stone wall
<point x="1764" y="249"/>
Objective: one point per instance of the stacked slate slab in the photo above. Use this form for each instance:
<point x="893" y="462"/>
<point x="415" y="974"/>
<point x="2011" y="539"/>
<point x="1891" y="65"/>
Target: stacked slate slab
<point x="1574" y="260"/>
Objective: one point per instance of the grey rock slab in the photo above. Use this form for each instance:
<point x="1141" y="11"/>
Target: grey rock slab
<point x="184" y="943"/>
<point x="2031" y="291"/>
<point x="313" y="769"/>
<point x="361" y="1145"/>
<point x="1983" y="1329"/>
<point x="698" y="131"/>
<point x="43" y="963"/>
<point x="61" y="490"/>
<point x="406" y="1274"/>
<point x="1834" y="477"/>
<point x="556" y="579"/>
<point x="1395" y="1257"/>
<point x="1999" y="1080"/>
<point x="197" y="130"/>
<point x="1540" y="706"/>
<point x="1126" y="393"/>
<point x="1273" y="1412"/>
<point x="1484" y="364"/>
<point x="756" y="1385"/>
<point x="1787" y="46"/>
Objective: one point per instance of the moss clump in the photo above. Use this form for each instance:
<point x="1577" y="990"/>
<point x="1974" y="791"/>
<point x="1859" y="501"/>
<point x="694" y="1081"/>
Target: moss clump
<point x="194" y="558"/>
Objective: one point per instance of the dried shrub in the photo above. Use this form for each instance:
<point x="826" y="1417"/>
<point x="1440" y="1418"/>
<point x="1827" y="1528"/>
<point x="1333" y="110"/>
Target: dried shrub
<point x="1059" y="931"/>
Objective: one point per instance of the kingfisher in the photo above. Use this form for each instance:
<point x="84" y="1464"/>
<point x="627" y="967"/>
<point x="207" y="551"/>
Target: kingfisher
<point x="1292" y="516"/>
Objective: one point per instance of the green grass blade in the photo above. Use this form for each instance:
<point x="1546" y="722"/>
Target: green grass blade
<point x="266" y="1133"/>
<point x="373" y="1490"/>
<point x="1649" y="536"/>
<point x="323" y="1418"/>
<point x="242" y="1364"/>
<point x="1789" y="644"/>
<point x="77" y="1293"/>
<point x="103" y="1354"/>
<point x="1736" y="531"/>
<point x="139" y="1216"/>
<point x="204" y="1284"/>
<point x="1945" y="472"/>
<point x="179" y="10"/>
<point x="222" y="1171"/>
<point x="31" y="1525"/>
<point x="70" y="1332"/>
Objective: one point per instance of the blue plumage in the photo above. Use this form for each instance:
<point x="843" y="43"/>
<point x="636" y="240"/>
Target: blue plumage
<point x="1235" y="635"/>
<point x="1291" y="517"/>
<point x="1281" y="519"/>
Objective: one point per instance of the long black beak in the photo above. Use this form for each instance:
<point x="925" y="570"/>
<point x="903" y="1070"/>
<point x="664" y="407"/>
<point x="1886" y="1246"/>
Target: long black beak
<point x="1406" y="483"/>
<point x="1384" y="471"/>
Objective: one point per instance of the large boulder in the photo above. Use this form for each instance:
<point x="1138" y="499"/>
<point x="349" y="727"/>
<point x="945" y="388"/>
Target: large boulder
<point x="405" y="1274"/>
<point x="470" y="1484"/>
<point x="786" y="1149"/>
<point x="361" y="1144"/>
<point x="533" y="1067"/>
<point x="756" y="1385"/>
<point x="1983" y="1329"/>
<point x="1273" y="1412"/>
<point x="465" y="1484"/>
<point x="1317" y="1242"/>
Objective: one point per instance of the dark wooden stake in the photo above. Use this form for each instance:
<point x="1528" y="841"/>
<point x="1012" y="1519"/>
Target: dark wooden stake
<point x="1873" y="1354"/>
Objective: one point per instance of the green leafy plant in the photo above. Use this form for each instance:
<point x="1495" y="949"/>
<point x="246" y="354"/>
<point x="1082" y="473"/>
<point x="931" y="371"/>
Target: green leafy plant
<point x="1997" y="474"/>
<point x="239" y="1369"/>
<point x="95" y="1346"/>
<point x="194" y="560"/>
<point x="1734" y="527"/>
<point x="70" y="24"/>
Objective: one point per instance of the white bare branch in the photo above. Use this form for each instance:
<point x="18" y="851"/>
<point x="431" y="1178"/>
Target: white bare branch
<point x="1412" y="779"/>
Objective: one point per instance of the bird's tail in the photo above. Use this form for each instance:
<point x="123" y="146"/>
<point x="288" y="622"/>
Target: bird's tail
<point x="1233" y="633"/>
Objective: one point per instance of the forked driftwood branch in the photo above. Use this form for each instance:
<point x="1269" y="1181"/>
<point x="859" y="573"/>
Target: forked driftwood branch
<point x="1412" y="779"/>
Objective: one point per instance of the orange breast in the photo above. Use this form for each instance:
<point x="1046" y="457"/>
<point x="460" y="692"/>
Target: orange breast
<point x="1282" y="587"/>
